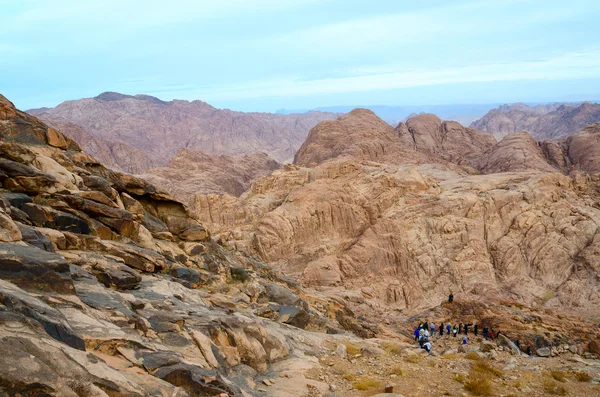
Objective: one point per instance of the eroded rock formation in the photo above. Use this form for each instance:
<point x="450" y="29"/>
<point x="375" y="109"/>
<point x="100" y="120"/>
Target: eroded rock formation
<point x="191" y="172"/>
<point x="109" y="287"/>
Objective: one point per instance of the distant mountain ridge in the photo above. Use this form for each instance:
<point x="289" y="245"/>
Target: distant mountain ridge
<point x="552" y="121"/>
<point x="158" y="129"/>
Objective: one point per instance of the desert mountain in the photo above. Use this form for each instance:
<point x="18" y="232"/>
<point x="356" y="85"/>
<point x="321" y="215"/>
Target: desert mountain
<point x="447" y="140"/>
<point x="542" y="122"/>
<point x="190" y="172"/>
<point x="160" y="129"/>
<point x="369" y="205"/>
<point x="108" y="287"/>
<point x="114" y="154"/>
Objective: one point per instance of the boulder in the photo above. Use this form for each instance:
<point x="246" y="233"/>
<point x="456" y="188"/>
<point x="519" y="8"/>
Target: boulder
<point x="116" y="275"/>
<point x="594" y="347"/>
<point x="34" y="269"/>
<point x="467" y="348"/>
<point x="201" y="381"/>
<point x="544" y="352"/>
<point x="487" y="346"/>
<point x="35" y="238"/>
<point x="50" y="319"/>
<point x="9" y="232"/>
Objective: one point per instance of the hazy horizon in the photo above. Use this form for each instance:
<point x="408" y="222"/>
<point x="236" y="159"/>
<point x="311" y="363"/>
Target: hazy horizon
<point x="268" y="55"/>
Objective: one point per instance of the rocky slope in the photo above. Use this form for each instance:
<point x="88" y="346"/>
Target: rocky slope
<point x="113" y="154"/>
<point x="190" y="172"/>
<point x="447" y="140"/>
<point x="160" y="128"/>
<point x="372" y="212"/>
<point x="542" y="124"/>
<point x="109" y="288"/>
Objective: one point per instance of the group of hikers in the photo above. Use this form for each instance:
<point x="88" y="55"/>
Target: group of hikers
<point x="428" y="330"/>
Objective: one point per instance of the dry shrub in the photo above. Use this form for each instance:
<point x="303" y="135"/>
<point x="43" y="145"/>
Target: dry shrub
<point x="450" y="356"/>
<point x="558" y="375"/>
<point x="392" y="348"/>
<point x="484" y="367"/>
<point x="551" y="387"/>
<point x="413" y="358"/>
<point x="582" y="376"/>
<point x="473" y="356"/>
<point x="478" y="383"/>
<point x="459" y="378"/>
<point x="352" y="349"/>
<point x="365" y="383"/>
<point x="349" y="377"/>
<point x="397" y="370"/>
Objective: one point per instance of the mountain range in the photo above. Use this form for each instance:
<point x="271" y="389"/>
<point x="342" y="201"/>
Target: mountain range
<point x="542" y="121"/>
<point x="305" y="279"/>
<point x="158" y="129"/>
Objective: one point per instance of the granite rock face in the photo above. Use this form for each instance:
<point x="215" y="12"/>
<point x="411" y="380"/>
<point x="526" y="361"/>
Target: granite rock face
<point x="108" y="287"/>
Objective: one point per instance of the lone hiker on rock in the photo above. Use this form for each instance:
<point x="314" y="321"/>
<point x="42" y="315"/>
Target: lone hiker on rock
<point x="451" y="298"/>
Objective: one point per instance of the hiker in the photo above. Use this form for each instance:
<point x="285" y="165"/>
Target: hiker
<point x="448" y="328"/>
<point x="451" y="298"/>
<point x="420" y="325"/>
<point x="416" y="334"/>
<point x="465" y="340"/>
<point x="454" y="331"/>
<point x="427" y="347"/>
<point x="486" y="333"/>
<point x="460" y="328"/>
<point x="421" y="340"/>
<point x="432" y="326"/>
<point x="421" y="332"/>
<point x="467" y="328"/>
<point x="442" y="329"/>
<point x="518" y="344"/>
<point x="426" y="333"/>
<point x="492" y="333"/>
<point x="475" y="327"/>
<point x="529" y="352"/>
<point x="426" y="325"/>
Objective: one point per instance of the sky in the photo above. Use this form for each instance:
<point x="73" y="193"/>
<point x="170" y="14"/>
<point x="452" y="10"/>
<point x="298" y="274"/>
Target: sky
<point x="263" y="55"/>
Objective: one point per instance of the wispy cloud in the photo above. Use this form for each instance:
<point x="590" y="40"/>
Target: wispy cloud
<point x="580" y="65"/>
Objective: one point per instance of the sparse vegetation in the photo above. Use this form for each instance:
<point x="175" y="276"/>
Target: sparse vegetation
<point x="484" y="367"/>
<point x="472" y="356"/>
<point x="352" y="349"/>
<point x="413" y="358"/>
<point x="558" y="375"/>
<point x="349" y="377"/>
<point x="450" y="356"/>
<point x="397" y="370"/>
<point x="459" y="378"/>
<point x="478" y="383"/>
<point x="392" y="348"/>
<point x="551" y="387"/>
<point x="365" y="383"/>
<point x="582" y="376"/>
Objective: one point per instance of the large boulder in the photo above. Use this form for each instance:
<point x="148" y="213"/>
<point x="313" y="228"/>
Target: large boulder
<point x="34" y="269"/>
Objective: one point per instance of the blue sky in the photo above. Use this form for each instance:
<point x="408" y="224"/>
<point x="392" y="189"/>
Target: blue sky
<point x="270" y="54"/>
